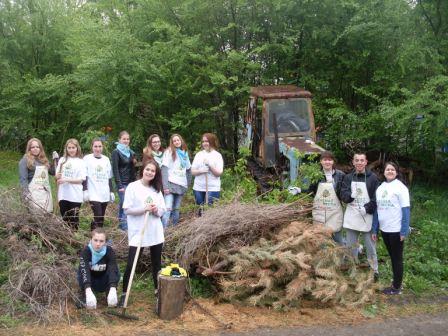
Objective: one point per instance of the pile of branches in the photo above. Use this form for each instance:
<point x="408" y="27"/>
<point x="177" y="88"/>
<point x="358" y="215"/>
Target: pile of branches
<point x="42" y="250"/>
<point x="258" y="256"/>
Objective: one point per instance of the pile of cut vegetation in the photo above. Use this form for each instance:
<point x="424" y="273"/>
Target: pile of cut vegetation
<point x="42" y="251"/>
<point x="270" y="255"/>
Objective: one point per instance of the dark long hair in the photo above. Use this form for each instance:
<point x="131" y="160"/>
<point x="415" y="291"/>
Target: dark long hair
<point x="397" y="169"/>
<point x="156" y="182"/>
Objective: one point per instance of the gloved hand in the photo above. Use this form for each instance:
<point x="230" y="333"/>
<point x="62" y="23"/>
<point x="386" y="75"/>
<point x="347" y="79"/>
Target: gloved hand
<point x="90" y="299"/>
<point x="363" y="211"/>
<point x="55" y="155"/>
<point x="85" y="195"/>
<point x="294" y="190"/>
<point x="112" y="197"/>
<point x="112" y="299"/>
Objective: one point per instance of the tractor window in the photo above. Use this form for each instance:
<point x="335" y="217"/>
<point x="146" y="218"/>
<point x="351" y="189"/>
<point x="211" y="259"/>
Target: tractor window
<point x="292" y="115"/>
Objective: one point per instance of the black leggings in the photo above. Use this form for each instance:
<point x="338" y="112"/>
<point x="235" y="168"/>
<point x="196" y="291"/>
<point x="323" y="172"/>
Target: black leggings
<point x="156" y="263"/>
<point x="99" y="209"/>
<point x="70" y="213"/>
<point x="395" y="248"/>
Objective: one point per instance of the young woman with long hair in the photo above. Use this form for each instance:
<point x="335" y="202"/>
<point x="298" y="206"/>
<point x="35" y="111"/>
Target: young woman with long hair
<point x="176" y="177"/>
<point x="70" y="174"/>
<point x="123" y="166"/>
<point x="99" y="183"/>
<point x="145" y="196"/>
<point x="154" y="149"/>
<point x="392" y="218"/>
<point x="34" y="169"/>
<point x="207" y="168"/>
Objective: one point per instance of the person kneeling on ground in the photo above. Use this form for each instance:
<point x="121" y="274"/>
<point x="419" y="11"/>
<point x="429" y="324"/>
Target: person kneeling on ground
<point x="98" y="271"/>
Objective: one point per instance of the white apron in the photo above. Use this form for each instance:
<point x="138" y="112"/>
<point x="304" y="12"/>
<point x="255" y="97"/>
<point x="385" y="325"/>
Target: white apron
<point x="40" y="190"/>
<point x="353" y="218"/>
<point x="327" y="209"/>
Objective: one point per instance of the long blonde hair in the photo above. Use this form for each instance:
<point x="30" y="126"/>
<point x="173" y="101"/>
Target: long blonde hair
<point x="183" y="145"/>
<point x="30" y="158"/>
<point x="78" y="148"/>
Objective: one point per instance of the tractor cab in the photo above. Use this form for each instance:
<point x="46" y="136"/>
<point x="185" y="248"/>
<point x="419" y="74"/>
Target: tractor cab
<point x="280" y="123"/>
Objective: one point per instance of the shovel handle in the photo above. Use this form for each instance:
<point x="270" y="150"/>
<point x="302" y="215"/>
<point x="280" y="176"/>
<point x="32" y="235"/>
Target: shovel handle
<point x="134" y="264"/>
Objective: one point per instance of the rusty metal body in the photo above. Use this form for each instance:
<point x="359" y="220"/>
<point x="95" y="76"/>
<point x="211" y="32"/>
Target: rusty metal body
<point x="280" y="119"/>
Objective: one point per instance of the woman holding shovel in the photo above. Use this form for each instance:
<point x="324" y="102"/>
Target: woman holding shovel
<point x="207" y="168"/>
<point x="34" y="168"/>
<point x="144" y="205"/>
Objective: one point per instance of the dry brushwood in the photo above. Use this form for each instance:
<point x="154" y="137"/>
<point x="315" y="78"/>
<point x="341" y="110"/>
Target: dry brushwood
<point x="43" y="250"/>
<point x="231" y="226"/>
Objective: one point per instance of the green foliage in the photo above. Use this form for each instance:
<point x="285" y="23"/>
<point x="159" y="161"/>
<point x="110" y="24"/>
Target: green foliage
<point x="186" y="66"/>
<point x="201" y="287"/>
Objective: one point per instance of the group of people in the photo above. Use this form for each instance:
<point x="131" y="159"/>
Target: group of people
<point x="370" y="207"/>
<point x="151" y="200"/>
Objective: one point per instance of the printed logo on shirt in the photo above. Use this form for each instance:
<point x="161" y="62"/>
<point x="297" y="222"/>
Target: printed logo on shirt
<point x="68" y="171"/>
<point x="326" y="193"/>
<point x="98" y="267"/>
<point x="99" y="174"/>
<point x="43" y="175"/>
<point x="149" y="200"/>
<point x="384" y="195"/>
<point x="358" y="192"/>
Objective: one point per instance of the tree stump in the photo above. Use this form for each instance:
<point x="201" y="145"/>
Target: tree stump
<point x="171" y="296"/>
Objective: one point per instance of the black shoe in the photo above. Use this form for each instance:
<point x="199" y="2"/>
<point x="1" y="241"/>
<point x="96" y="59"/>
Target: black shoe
<point x="391" y="291"/>
<point x="376" y="277"/>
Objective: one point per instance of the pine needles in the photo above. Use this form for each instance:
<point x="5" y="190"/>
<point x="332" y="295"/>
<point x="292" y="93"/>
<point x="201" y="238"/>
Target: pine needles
<point x="259" y="257"/>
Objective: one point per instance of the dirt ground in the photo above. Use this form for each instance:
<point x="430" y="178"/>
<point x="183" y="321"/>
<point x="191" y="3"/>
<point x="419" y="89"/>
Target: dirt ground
<point x="405" y="316"/>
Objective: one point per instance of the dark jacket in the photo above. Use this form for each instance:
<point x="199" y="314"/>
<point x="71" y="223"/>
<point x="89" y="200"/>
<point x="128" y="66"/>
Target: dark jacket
<point x="107" y="264"/>
<point x="123" y="169"/>
<point x="372" y="184"/>
<point x="338" y="176"/>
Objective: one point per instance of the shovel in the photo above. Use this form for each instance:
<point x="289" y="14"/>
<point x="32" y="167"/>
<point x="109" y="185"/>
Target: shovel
<point x="123" y="313"/>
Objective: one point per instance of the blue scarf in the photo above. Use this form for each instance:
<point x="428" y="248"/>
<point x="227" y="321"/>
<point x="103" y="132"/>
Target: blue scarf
<point x="183" y="157"/>
<point x="97" y="255"/>
<point x="125" y="150"/>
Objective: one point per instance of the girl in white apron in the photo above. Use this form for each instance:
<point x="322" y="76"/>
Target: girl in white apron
<point x="34" y="169"/>
<point x="327" y="208"/>
<point x="176" y="176"/>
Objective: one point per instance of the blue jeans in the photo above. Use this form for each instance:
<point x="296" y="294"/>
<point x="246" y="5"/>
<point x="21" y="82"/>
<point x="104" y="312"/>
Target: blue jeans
<point x="122" y="219"/>
<point x="339" y="238"/>
<point x="172" y="203"/>
<point x="199" y="197"/>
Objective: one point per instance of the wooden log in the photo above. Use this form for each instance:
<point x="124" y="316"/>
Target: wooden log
<point x="171" y="296"/>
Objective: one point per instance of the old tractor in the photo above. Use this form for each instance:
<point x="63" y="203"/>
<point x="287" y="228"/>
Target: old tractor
<point x="280" y="133"/>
